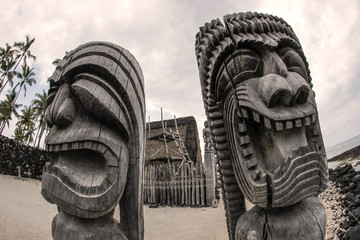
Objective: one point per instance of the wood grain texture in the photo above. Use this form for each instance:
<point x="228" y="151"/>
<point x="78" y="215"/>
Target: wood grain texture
<point x="305" y="220"/>
<point x="97" y="110"/>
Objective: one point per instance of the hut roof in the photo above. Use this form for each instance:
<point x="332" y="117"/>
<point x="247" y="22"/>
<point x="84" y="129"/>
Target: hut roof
<point x="155" y="146"/>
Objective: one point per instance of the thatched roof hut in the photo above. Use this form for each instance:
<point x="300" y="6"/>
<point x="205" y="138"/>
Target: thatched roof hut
<point x="155" y="146"/>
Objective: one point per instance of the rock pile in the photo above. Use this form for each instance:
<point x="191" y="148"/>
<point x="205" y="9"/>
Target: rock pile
<point x="28" y="160"/>
<point x="342" y="200"/>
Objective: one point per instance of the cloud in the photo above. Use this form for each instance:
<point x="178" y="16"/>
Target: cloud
<point x="161" y="35"/>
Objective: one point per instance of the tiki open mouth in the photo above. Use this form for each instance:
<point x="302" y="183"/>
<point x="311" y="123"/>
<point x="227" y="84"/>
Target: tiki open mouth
<point x="280" y="157"/>
<point x="276" y="146"/>
<point x="271" y="147"/>
<point x="83" y="167"/>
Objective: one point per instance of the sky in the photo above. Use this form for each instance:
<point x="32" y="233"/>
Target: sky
<point x="161" y="36"/>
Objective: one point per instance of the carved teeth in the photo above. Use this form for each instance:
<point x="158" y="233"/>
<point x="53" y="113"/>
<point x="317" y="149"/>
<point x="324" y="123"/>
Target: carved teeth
<point x="247" y="151"/>
<point x="242" y="127"/>
<point x="289" y="124"/>
<point x="251" y="163"/>
<point x="238" y="113"/>
<point x="75" y="145"/>
<point x="256" y="117"/>
<point x="276" y="124"/>
<point x="244" y="113"/>
<point x="56" y="148"/>
<point x="64" y="147"/>
<point x="101" y="148"/>
<point x="267" y="123"/>
<point x="279" y="126"/>
<point x="88" y="145"/>
<point x="244" y="140"/>
<point x="94" y="146"/>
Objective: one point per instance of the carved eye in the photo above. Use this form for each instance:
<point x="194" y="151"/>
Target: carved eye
<point x="293" y="61"/>
<point x="99" y="103"/>
<point x="243" y="64"/>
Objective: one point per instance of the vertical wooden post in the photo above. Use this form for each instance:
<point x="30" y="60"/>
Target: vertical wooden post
<point x="192" y="183"/>
<point x="149" y="127"/>
<point x="197" y="185"/>
<point x="168" y="183"/>
<point x="146" y="186"/>
<point x="202" y="184"/>
<point x="182" y="184"/>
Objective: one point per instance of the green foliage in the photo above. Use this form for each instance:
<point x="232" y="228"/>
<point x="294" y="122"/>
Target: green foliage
<point x="25" y="127"/>
<point x="38" y="106"/>
<point x="31" y="124"/>
<point x="11" y="56"/>
<point x="8" y="108"/>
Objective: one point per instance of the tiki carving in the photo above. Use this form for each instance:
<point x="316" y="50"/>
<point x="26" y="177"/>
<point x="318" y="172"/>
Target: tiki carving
<point x="262" y="113"/>
<point x="96" y="110"/>
<point x="210" y="167"/>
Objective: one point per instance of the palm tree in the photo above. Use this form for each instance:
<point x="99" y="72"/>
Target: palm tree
<point x="26" y="77"/>
<point x="19" y="135"/>
<point x="23" y="52"/>
<point x="24" y="49"/>
<point x="7" y="62"/>
<point x="38" y="106"/>
<point x="25" y="127"/>
<point x="7" y="108"/>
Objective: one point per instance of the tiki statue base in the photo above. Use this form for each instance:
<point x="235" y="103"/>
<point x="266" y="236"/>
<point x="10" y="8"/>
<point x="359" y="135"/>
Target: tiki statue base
<point x="304" y="220"/>
<point x="65" y="226"/>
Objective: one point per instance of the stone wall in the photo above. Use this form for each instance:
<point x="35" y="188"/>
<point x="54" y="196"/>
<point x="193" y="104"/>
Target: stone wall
<point x="13" y="155"/>
<point x="347" y="179"/>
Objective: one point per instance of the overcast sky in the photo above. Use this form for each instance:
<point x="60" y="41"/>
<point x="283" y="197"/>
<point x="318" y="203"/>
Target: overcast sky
<point x="161" y="35"/>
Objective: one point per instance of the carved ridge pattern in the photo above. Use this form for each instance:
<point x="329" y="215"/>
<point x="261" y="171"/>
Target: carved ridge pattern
<point x="232" y="196"/>
<point x="207" y="52"/>
<point x="257" y="176"/>
<point x="120" y="58"/>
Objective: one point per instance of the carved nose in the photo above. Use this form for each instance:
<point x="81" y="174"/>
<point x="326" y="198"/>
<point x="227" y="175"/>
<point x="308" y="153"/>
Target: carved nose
<point x="62" y="110"/>
<point x="275" y="90"/>
<point x="274" y="65"/>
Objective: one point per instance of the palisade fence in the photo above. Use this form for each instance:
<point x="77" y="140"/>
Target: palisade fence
<point x="175" y="184"/>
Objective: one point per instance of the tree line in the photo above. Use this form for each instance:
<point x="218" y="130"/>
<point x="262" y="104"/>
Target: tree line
<point x="18" y="76"/>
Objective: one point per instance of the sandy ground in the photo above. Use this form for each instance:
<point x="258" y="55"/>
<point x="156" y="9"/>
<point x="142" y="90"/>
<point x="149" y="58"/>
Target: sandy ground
<point x="24" y="214"/>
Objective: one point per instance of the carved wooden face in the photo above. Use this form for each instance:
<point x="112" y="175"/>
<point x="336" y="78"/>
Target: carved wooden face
<point x="271" y="123"/>
<point x="87" y="146"/>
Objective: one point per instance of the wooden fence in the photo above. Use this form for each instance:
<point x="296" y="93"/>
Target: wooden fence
<point x="175" y="184"/>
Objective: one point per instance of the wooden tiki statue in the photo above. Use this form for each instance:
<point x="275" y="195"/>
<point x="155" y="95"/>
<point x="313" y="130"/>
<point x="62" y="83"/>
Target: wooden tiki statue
<point x="96" y="110"/>
<point x="261" y="108"/>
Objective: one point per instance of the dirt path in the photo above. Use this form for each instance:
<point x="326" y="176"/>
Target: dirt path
<point x="24" y="214"/>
